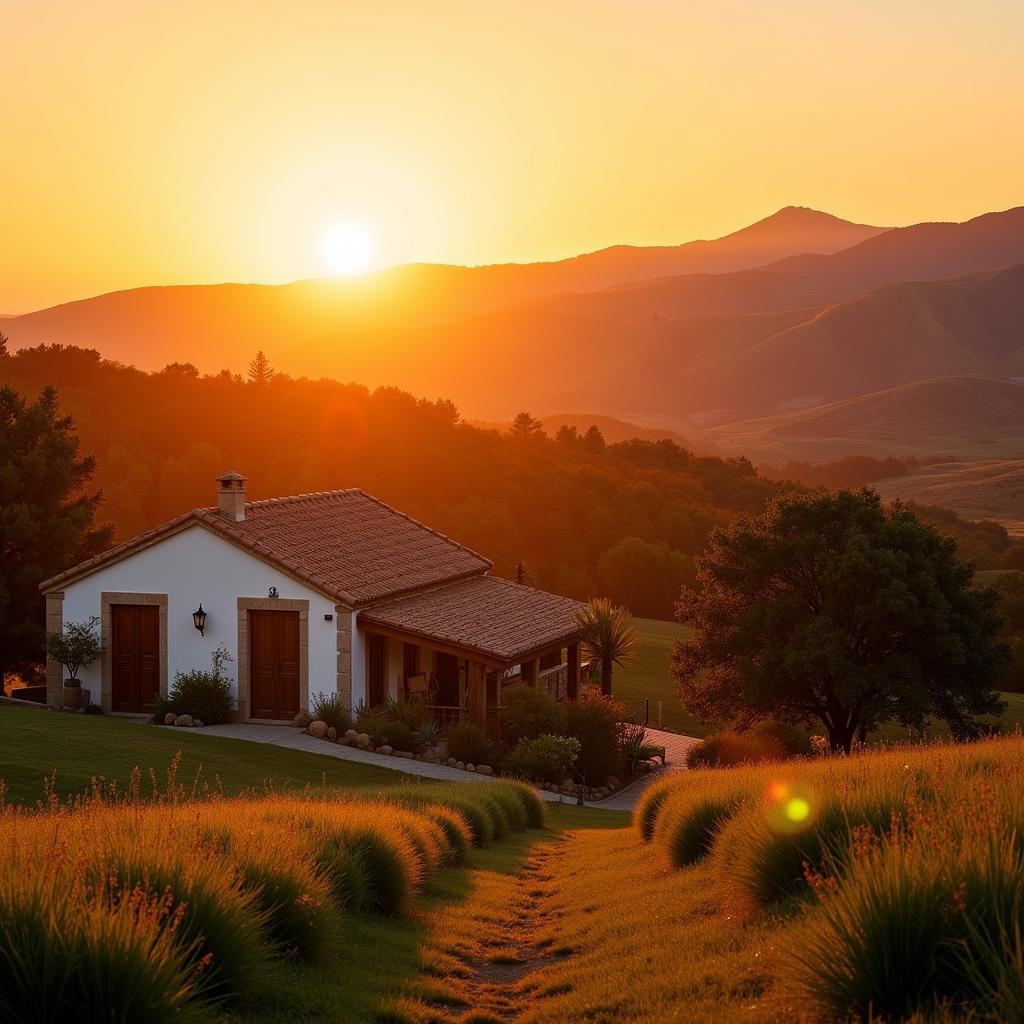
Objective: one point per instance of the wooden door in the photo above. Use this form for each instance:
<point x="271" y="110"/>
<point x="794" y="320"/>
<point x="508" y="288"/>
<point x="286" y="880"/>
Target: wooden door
<point x="376" y="670"/>
<point x="448" y="680"/>
<point x="273" y="664"/>
<point x="134" y="657"/>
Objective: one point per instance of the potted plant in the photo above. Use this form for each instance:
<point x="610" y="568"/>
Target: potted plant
<point x="76" y="647"/>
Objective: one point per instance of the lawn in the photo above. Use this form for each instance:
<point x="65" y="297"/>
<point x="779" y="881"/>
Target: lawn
<point x="73" y="749"/>
<point x="648" y="678"/>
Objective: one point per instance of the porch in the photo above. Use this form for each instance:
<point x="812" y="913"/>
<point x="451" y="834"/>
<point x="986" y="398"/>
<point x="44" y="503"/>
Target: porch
<point x="462" y="648"/>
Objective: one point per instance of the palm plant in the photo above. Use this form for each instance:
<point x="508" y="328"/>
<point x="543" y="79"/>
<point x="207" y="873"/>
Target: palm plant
<point x="609" y="636"/>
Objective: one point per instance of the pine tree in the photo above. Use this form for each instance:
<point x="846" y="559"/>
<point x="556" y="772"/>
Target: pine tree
<point x="260" y="370"/>
<point x="524" y="425"/>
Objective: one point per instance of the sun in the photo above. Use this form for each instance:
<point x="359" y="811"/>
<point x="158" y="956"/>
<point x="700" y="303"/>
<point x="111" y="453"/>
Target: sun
<point x="347" y="248"/>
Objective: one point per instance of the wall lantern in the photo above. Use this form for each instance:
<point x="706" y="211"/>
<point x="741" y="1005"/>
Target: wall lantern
<point x="272" y="592"/>
<point x="199" y="620"/>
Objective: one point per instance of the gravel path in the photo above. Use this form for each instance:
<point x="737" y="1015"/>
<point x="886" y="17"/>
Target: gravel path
<point x="295" y="739"/>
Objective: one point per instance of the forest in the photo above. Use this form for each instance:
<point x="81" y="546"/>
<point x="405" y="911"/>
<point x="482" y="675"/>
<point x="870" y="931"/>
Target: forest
<point x="569" y="513"/>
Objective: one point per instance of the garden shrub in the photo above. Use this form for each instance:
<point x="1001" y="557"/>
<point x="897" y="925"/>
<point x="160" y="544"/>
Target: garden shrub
<point x="412" y="713"/>
<point x="545" y="758"/>
<point x="203" y="694"/>
<point x="383" y="730"/>
<point x="467" y="742"/>
<point x="328" y="708"/>
<point x="765" y="741"/>
<point x="594" y="721"/>
<point x="530" y="712"/>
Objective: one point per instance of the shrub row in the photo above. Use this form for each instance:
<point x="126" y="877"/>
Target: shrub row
<point x="130" y="911"/>
<point x="907" y="867"/>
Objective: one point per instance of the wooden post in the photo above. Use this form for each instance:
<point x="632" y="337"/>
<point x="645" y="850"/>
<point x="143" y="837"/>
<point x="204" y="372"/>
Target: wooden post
<point x="572" y="685"/>
<point x="531" y="670"/>
<point x="476" y="696"/>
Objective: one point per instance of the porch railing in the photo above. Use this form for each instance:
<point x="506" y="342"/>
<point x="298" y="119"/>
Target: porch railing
<point x="446" y="714"/>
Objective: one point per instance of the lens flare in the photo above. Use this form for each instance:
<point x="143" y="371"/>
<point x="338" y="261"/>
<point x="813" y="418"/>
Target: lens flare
<point x="797" y="809"/>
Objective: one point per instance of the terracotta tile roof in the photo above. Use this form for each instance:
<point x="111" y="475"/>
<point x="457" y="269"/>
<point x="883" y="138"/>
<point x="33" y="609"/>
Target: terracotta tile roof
<point x="346" y="544"/>
<point x="503" y="620"/>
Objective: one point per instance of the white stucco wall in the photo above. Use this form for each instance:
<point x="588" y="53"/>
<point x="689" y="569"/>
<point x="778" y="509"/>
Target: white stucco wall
<point x="197" y="566"/>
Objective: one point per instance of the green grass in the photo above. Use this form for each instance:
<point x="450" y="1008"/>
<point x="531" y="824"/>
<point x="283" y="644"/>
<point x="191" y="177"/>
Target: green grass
<point x="74" y="749"/>
<point x="648" y="679"/>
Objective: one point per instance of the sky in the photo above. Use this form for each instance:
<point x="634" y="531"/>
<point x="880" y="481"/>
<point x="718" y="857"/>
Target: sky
<point x="218" y="140"/>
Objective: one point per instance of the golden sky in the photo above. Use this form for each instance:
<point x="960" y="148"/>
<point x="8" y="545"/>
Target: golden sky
<point x="150" y="142"/>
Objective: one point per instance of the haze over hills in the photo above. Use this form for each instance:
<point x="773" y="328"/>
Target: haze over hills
<point x="690" y="353"/>
<point x="947" y="415"/>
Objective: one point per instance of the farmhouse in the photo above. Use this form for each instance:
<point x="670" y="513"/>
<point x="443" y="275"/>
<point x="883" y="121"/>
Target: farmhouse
<point x="333" y="592"/>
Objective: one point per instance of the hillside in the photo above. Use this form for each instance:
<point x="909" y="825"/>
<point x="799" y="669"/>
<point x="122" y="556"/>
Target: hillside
<point x="200" y="323"/>
<point x="975" y="489"/>
<point x="576" y="515"/>
<point x="680" y="352"/>
<point x="946" y="415"/>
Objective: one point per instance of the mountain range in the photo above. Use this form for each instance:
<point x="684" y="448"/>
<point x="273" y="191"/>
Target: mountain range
<point x="800" y="336"/>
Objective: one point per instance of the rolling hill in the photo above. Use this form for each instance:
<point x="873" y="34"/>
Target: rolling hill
<point x="974" y="489"/>
<point x="947" y="415"/>
<point x="305" y="322"/>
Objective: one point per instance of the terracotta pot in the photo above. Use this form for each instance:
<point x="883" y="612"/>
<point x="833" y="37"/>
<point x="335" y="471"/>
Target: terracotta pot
<point x="72" y="694"/>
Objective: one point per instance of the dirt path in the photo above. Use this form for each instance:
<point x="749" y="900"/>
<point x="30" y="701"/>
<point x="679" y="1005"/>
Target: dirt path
<point x="480" y="954"/>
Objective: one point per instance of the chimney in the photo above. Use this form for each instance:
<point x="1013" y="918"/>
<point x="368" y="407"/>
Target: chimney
<point x="231" y="496"/>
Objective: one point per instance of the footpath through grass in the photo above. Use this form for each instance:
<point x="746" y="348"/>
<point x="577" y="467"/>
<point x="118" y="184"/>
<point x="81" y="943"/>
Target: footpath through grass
<point x="36" y="746"/>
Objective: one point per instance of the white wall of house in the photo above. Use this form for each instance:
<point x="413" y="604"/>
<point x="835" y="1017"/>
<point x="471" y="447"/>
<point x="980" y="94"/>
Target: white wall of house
<point x="197" y="566"/>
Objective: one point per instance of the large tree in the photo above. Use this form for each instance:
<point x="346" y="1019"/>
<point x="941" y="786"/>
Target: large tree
<point x="834" y="610"/>
<point x="46" y="517"/>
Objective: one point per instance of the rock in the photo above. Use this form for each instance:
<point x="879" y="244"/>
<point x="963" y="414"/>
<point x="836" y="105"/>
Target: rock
<point x="196" y="723"/>
<point x="568" y="790"/>
<point x="484" y="769"/>
<point x="350" y="736"/>
<point x="385" y="749"/>
<point x="613" y="783"/>
<point x="170" y="718"/>
<point x="318" y="729"/>
<point x="301" y="720"/>
<point x="332" y="734"/>
<point x="569" y="783"/>
<point x="451" y="762"/>
<point x="470" y="767"/>
<point x="363" y="741"/>
<point x="460" y="764"/>
<point x="185" y="721"/>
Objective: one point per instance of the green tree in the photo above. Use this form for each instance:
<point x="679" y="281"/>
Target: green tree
<point x="832" y="609"/>
<point x="644" y="576"/>
<point x="609" y="637"/>
<point x="46" y="518"/>
<point x="260" y="370"/>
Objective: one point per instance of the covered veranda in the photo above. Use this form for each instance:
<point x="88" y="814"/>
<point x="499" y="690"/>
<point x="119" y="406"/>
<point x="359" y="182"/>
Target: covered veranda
<point x="461" y="647"/>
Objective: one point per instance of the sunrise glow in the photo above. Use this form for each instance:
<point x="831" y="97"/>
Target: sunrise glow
<point x="347" y="248"/>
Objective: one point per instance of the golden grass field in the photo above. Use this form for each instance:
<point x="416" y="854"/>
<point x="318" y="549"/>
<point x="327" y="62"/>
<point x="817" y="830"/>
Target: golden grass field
<point x="886" y="886"/>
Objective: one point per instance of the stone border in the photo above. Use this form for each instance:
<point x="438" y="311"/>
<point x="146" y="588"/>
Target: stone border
<point x="271" y="604"/>
<point x="108" y="598"/>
